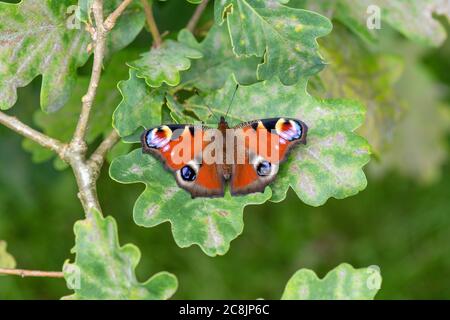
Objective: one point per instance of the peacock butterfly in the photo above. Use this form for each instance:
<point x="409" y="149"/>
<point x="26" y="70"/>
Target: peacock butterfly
<point x="204" y="159"/>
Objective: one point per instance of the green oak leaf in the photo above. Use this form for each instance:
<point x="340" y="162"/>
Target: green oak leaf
<point x="342" y="283"/>
<point x="105" y="270"/>
<point x="210" y="223"/>
<point x="62" y="123"/>
<point x="413" y="18"/>
<point x="35" y="40"/>
<point x="140" y="106"/>
<point x="420" y="157"/>
<point x="356" y="73"/>
<point x="176" y="112"/>
<point x="6" y="260"/>
<point x="84" y="9"/>
<point x="285" y="37"/>
<point x="164" y="63"/>
<point x="127" y="27"/>
<point x="330" y="165"/>
<point x="44" y="37"/>
<point x="218" y="62"/>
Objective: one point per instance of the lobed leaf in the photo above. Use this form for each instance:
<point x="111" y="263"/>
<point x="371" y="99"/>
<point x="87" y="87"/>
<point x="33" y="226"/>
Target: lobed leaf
<point x="164" y="63"/>
<point x="342" y="283"/>
<point x="218" y="62"/>
<point x="105" y="270"/>
<point x="418" y="156"/>
<point x="210" y="223"/>
<point x="35" y="40"/>
<point x="127" y="27"/>
<point x="62" y="123"/>
<point x="140" y="106"/>
<point x="330" y="165"/>
<point x="84" y="7"/>
<point x="6" y="260"/>
<point x="356" y="73"/>
<point x="413" y="18"/>
<point x="45" y="38"/>
<point x="285" y="37"/>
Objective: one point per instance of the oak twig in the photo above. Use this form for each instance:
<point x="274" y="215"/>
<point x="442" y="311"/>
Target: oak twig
<point x="28" y="132"/>
<point x="31" y="273"/>
<point x="151" y="23"/>
<point x="88" y="98"/>
<point x="98" y="157"/>
<point x="110" y="22"/>
<point x="196" y="16"/>
<point x="85" y="171"/>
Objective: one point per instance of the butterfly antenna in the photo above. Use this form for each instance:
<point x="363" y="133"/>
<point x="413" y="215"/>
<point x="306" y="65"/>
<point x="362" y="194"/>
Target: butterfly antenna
<point x="232" y="99"/>
<point x="210" y="110"/>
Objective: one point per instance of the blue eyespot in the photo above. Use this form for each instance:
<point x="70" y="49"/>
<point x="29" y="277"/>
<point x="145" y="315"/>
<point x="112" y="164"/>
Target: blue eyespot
<point x="264" y="168"/>
<point x="187" y="173"/>
<point x="298" y="129"/>
<point x="293" y="131"/>
<point x="157" y="138"/>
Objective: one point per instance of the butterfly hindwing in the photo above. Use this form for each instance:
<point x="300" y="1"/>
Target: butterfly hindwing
<point x="167" y="143"/>
<point x="267" y="144"/>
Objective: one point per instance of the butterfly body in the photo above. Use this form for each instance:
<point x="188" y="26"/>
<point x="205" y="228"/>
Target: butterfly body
<point x="204" y="160"/>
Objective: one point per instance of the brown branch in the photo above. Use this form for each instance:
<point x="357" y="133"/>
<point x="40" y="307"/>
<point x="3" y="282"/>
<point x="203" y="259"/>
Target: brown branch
<point x="151" y="23"/>
<point x="196" y="16"/>
<point x="88" y="98"/>
<point x="74" y="153"/>
<point x="28" y="132"/>
<point x="110" y="22"/>
<point x="98" y="157"/>
<point x="31" y="273"/>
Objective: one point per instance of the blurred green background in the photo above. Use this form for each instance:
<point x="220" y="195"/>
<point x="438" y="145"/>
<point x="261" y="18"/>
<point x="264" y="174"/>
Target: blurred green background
<point x="400" y="222"/>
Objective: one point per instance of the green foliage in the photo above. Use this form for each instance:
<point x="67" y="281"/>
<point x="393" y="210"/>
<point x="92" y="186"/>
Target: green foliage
<point x="419" y="156"/>
<point x="218" y="62"/>
<point x="413" y="18"/>
<point x="131" y="22"/>
<point x="163" y="64"/>
<point x="62" y="123"/>
<point x="105" y="270"/>
<point x="6" y="260"/>
<point x="125" y="30"/>
<point x="270" y="48"/>
<point x="140" y="106"/>
<point x="369" y="77"/>
<point x="330" y="163"/>
<point x="210" y="223"/>
<point x="342" y="283"/>
<point x="51" y="50"/>
<point x="84" y="10"/>
<point x="55" y="49"/>
<point x="284" y="36"/>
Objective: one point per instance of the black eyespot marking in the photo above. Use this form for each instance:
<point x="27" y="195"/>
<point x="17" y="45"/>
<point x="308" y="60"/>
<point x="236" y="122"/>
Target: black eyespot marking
<point x="264" y="168"/>
<point x="270" y="124"/>
<point x="187" y="173"/>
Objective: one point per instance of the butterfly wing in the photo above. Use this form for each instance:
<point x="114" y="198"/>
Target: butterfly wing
<point x="263" y="145"/>
<point x="180" y="148"/>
